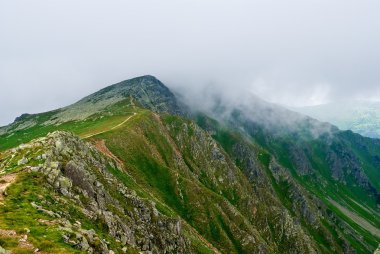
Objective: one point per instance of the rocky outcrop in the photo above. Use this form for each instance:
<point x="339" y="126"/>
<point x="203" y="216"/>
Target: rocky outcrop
<point x="344" y="165"/>
<point x="81" y="174"/>
<point x="300" y="160"/>
<point x="147" y="91"/>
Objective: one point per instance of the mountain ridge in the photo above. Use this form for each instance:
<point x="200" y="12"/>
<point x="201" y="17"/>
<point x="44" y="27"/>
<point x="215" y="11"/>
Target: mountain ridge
<point x="145" y="90"/>
<point x="236" y="184"/>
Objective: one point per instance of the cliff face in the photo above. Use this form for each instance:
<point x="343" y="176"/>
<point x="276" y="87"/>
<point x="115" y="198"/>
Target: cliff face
<point x="129" y="170"/>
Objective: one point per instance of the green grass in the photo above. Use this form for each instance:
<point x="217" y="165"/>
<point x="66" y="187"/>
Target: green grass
<point x="18" y="214"/>
<point x="98" y="122"/>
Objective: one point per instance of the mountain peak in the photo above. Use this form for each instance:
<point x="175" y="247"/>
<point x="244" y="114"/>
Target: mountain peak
<point x="145" y="91"/>
<point x="147" y="77"/>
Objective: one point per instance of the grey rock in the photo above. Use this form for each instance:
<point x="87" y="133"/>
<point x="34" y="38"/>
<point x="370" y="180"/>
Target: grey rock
<point x="73" y="168"/>
<point x="22" y="161"/>
<point x="4" y="251"/>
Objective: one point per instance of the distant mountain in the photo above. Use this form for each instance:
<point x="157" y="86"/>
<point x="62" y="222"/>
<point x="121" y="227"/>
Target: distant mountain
<point x="362" y="117"/>
<point x="130" y="169"/>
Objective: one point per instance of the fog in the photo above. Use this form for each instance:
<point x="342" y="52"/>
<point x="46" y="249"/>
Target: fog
<point x="294" y="53"/>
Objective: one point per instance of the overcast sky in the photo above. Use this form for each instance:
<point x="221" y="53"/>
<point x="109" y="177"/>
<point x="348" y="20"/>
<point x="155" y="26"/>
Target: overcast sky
<point x="296" y="53"/>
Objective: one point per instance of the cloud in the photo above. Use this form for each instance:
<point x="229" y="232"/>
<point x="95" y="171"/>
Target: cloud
<point x="52" y="53"/>
<point x="313" y="94"/>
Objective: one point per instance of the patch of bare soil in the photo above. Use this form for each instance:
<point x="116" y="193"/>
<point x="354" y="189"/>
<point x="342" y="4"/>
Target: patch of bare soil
<point x="5" y="232"/>
<point x="101" y="146"/>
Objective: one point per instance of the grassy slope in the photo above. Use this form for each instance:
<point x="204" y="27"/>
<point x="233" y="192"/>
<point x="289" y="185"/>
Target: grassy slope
<point x="18" y="214"/>
<point x="96" y="123"/>
<point x="349" y="195"/>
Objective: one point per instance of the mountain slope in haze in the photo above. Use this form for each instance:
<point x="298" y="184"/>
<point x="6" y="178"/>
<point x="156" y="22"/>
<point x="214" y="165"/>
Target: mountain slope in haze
<point x="339" y="168"/>
<point x="362" y="117"/>
<point x="331" y="164"/>
<point x="138" y="172"/>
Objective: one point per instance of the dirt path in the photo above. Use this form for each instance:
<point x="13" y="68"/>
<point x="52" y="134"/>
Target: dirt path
<point x="120" y="124"/>
<point x="5" y="181"/>
<point x="23" y="242"/>
<point x="114" y="127"/>
<point x="101" y="146"/>
<point x="22" y="239"/>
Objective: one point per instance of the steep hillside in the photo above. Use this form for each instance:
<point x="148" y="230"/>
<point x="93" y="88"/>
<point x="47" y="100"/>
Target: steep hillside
<point x="340" y="169"/>
<point x="137" y="172"/>
<point x="65" y="196"/>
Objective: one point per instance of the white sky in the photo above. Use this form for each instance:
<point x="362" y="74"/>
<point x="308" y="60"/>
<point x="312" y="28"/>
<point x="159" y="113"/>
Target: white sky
<point x="296" y="53"/>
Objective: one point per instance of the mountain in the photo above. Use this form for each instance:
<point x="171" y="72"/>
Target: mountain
<point x="362" y="117"/>
<point x="131" y="169"/>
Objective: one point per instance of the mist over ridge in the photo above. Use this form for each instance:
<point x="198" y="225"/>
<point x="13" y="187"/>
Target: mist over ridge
<point x="294" y="53"/>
